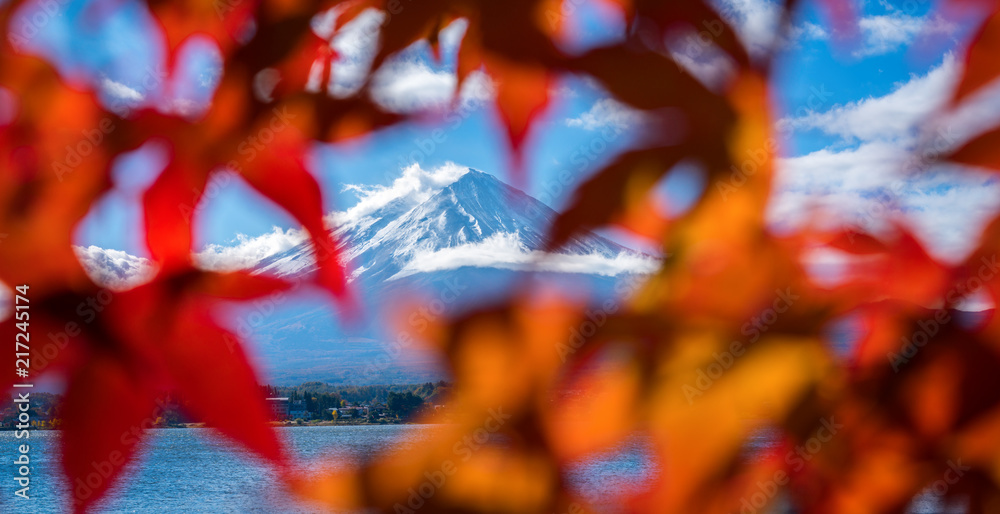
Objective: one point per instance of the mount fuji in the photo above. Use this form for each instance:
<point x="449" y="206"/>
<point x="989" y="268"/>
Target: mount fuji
<point x="452" y="247"/>
<point x="476" y="221"/>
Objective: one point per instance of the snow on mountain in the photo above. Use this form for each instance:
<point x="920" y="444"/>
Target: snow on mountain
<point x="476" y="221"/>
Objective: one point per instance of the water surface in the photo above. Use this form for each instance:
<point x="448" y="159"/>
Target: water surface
<point x="189" y="470"/>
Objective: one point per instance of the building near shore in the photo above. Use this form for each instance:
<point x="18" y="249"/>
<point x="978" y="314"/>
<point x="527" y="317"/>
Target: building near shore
<point x="280" y="407"/>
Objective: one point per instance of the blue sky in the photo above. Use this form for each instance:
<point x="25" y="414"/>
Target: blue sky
<point x="848" y="106"/>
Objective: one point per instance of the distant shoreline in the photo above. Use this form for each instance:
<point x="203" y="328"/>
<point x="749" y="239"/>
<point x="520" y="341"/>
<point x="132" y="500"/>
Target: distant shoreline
<point x="273" y="424"/>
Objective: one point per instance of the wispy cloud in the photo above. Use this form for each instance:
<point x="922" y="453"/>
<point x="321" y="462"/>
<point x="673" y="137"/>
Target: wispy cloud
<point x="865" y="188"/>
<point x="248" y="251"/>
<point x="413" y="187"/>
<point x="890" y="117"/>
<point x="506" y="251"/>
<point x="605" y="113"/>
<point x="121" y="92"/>
<point x="808" y="31"/>
<point x="889" y="32"/>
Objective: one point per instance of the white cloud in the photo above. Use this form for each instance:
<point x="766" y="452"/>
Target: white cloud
<point x="415" y="186"/>
<point x="607" y="112"/>
<point x="888" y="32"/>
<point x="755" y="21"/>
<point x="563" y="90"/>
<point x="355" y="44"/>
<point x="950" y="208"/>
<point x="249" y="251"/>
<point x="808" y="30"/>
<point x="410" y="85"/>
<point x="114" y="269"/>
<point x="505" y="251"/>
<point x="888" y="117"/>
<point x="120" y="91"/>
<point x="405" y="82"/>
<point x="406" y="86"/>
<point x="866" y="188"/>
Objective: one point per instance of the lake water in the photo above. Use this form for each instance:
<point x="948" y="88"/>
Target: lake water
<point x="188" y="470"/>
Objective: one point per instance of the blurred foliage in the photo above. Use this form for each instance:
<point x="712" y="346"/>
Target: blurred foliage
<point x="916" y="397"/>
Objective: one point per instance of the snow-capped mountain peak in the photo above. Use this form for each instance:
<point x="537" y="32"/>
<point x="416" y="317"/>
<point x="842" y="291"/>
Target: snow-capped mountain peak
<point x="461" y="217"/>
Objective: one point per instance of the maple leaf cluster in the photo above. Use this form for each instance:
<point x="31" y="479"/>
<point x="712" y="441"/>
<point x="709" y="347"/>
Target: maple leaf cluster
<point x="917" y="394"/>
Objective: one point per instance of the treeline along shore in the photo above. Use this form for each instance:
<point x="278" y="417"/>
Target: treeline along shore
<point x="311" y="403"/>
